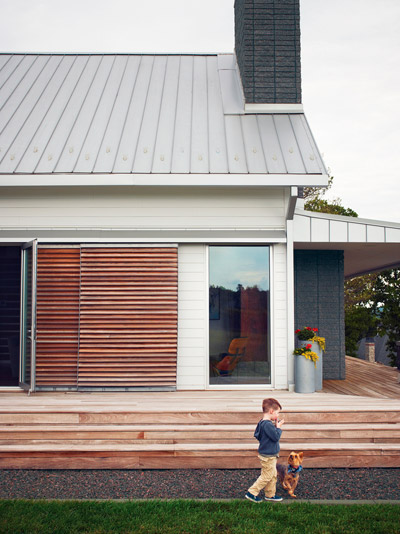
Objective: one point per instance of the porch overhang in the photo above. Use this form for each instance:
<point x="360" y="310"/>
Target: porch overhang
<point x="368" y="245"/>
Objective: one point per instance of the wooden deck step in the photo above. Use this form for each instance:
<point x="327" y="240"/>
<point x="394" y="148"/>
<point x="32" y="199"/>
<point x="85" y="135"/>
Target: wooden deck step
<point x="186" y="447"/>
<point x="361" y="432"/>
<point x="196" y="418"/>
<point x="154" y="446"/>
<point x="196" y="429"/>
<point x="165" y="456"/>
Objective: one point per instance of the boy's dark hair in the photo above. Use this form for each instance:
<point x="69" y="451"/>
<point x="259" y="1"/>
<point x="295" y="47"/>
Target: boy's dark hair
<point x="269" y="404"/>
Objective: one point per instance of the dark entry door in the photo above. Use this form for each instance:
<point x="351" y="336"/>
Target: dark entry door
<point x="28" y="316"/>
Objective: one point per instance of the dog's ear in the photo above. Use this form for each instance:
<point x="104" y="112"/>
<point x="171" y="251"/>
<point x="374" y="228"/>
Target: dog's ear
<point x="301" y="456"/>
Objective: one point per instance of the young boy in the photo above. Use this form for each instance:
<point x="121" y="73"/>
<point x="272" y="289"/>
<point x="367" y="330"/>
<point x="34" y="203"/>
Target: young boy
<point x="268" y="432"/>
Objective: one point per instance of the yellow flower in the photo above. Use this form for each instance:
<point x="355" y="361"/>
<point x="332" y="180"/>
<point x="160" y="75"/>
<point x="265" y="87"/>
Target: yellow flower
<point x="307" y="353"/>
<point x="320" y="341"/>
<point x="313" y="356"/>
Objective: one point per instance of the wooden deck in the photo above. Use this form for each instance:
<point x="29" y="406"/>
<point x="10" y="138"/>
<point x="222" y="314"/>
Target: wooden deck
<point x="198" y="429"/>
<point x="366" y="379"/>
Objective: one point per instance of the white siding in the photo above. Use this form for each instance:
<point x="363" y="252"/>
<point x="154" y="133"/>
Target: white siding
<point x="192" y="317"/>
<point x="142" y="208"/>
<point x="279" y="317"/>
<point x="131" y="208"/>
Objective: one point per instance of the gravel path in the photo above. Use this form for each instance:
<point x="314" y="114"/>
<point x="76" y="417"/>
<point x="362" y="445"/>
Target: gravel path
<point x="341" y="484"/>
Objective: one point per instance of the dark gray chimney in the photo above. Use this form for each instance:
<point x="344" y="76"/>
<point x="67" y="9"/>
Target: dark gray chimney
<point x="267" y="45"/>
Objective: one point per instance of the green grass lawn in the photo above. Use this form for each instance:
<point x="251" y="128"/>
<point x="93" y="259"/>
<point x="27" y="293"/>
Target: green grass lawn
<point x="195" y="517"/>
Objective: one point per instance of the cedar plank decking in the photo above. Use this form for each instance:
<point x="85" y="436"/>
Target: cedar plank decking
<point x="351" y="423"/>
<point x="366" y="379"/>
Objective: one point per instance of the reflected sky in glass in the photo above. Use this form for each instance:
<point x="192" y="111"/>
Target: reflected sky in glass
<point x="248" y="266"/>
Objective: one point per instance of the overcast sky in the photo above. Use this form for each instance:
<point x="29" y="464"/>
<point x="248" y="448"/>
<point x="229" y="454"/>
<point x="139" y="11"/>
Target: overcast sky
<point x="350" y="70"/>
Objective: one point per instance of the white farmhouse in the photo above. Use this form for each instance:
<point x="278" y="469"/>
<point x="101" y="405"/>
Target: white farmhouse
<point x="151" y="231"/>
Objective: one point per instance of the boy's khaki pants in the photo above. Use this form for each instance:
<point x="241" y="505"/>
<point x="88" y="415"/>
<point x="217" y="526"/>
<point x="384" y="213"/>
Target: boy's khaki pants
<point x="267" y="479"/>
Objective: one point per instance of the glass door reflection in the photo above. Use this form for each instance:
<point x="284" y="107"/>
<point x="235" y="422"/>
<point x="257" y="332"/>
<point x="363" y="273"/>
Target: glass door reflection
<point x="239" y="313"/>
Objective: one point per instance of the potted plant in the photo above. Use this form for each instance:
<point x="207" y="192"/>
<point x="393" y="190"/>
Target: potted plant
<point x="308" y="337"/>
<point x="304" y="369"/>
<point x="306" y="333"/>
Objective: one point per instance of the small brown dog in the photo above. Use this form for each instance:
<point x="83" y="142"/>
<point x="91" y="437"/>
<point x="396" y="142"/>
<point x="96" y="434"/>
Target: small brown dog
<point x="289" y="474"/>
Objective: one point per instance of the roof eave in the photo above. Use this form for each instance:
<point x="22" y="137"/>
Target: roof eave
<point x="167" y="180"/>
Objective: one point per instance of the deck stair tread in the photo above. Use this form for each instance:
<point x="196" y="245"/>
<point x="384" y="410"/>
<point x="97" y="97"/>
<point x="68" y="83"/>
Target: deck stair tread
<point x="193" y="428"/>
<point x="194" y="418"/>
<point x="51" y="447"/>
<point x="315" y="402"/>
<point x="256" y="412"/>
<point x="152" y="435"/>
<point x="330" y="442"/>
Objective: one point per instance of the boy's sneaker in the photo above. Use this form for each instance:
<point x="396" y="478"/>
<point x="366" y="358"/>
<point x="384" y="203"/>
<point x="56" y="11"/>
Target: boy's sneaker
<point x="254" y="498"/>
<point x="275" y="498"/>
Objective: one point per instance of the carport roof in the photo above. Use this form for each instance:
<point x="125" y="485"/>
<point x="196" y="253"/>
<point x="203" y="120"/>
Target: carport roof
<point x="368" y="245"/>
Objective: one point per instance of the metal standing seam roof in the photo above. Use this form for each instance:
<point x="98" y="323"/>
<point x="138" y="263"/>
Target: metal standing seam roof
<point x="125" y="114"/>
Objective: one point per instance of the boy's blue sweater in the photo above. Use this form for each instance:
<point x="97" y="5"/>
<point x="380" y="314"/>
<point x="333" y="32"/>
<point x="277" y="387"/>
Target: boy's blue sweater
<point x="268" y="436"/>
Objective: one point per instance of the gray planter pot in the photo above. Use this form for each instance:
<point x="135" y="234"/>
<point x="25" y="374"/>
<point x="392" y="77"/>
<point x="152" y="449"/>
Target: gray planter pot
<point x="319" y="368"/>
<point x="304" y="375"/>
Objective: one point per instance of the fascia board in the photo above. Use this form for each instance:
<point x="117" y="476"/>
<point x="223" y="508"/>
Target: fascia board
<point x="165" y="180"/>
<point x="345" y="218"/>
<point x="79" y="236"/>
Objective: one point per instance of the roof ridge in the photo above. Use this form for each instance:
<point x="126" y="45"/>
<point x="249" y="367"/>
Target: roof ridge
<point x="111" y="54"/>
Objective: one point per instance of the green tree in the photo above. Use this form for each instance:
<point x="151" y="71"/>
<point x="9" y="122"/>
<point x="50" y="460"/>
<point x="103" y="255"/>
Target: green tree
<point x="314" y="201"/>
<point x="372" y="306"/>
<point x="360" y="322"/>
<point x="387" y="306"/>
<point x="360" y="312"/>
<point x="360" y="291"/>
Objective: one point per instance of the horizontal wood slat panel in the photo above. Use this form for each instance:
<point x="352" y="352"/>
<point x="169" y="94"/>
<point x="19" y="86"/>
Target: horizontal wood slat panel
<point x="58" y="282"/>
<point x="128" y="317"/>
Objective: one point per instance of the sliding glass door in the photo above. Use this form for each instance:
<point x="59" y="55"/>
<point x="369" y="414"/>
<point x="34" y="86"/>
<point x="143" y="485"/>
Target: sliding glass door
<point x="239" y="315"/>
<point x="28" y="316"/>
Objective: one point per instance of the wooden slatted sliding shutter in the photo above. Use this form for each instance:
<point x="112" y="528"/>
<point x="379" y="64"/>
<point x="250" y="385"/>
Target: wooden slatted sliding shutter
<point x="58" y="280"/>
<point x="128" y="317"/>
